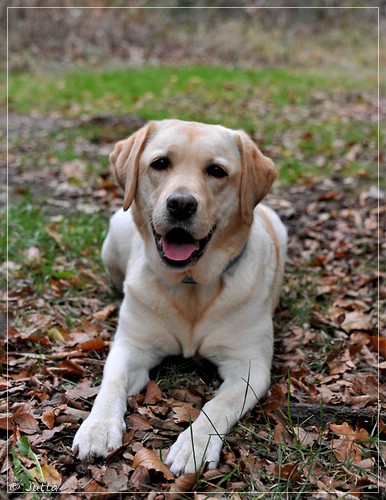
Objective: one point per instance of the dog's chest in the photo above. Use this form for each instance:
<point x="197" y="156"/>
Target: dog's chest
<point x="192" y="301"/>
<point x="186" y="319"/>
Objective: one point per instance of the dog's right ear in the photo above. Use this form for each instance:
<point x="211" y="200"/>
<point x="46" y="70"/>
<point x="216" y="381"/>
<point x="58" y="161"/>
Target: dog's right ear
<point x="125" y="161"/>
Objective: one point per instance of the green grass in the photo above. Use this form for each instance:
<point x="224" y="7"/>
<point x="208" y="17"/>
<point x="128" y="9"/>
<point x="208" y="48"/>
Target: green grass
<point x="284" y="109"/>
<point x="189" y="92"/>
<point x="148" y="90"/>
<point x="79" y="236"/>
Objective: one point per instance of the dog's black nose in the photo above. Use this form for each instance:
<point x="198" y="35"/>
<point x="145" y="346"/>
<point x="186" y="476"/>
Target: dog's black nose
<point x="181" y="205"/>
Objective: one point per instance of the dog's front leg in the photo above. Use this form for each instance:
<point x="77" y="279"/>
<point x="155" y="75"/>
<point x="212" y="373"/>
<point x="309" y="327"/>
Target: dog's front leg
<point x="245" y="381"/>
<point x="126" y="372"/>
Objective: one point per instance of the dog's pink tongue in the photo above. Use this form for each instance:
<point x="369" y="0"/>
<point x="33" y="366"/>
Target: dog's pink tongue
<point x="178" y="251"/>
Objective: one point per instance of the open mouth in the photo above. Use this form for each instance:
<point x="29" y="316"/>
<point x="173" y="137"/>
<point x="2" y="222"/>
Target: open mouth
<point x="178" y="248"/>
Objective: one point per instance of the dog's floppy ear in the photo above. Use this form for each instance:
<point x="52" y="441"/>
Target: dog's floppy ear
<point x="257" y="175"/>
<point x="125" y="161"/>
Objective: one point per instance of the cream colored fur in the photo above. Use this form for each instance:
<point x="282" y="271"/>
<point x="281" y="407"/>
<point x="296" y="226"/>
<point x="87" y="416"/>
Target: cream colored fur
<point x="226" y="316"/>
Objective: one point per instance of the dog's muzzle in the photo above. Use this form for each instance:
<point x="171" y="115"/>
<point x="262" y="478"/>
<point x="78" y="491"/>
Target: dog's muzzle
<point x="178" y="248"/>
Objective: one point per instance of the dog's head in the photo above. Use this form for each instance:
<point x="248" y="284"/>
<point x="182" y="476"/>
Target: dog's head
<point x="194" y="188"/>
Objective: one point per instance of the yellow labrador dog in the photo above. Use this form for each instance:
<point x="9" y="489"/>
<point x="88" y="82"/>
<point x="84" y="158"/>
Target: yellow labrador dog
<point x="201" y="265"/>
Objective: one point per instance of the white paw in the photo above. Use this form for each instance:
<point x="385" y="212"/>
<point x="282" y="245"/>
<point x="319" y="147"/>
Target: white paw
<point x="96" y="437"/>
<point x="191" y="451"/>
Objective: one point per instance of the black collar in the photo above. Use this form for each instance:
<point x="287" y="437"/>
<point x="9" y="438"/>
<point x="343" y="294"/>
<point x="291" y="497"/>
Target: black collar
<point x="190" y="281"/>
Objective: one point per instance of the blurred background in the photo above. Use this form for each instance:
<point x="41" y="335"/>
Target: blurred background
<point x="302" y="81"/>
<point x="253" y="34"/>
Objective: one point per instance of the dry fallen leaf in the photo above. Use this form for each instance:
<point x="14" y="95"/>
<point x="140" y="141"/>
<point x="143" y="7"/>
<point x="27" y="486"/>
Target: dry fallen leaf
<point x="356" y="320"/>
<point x="26" y="422"/>
<point x="341" y="363"/>
<point x="346" y="450"/>
<point x="82" y="390"/>
<point x="96" y="344"/>
<point x="48" y="417"/>
<point x="51" y="230"/>
<point x="347" y="431"/>
<point x="140" y="477"/>
<point x="306" y="438"/>
<point x="33" y="254"/>
<point x="186" y="396"/>
<point x="74" y="170"/>
<point x="116" y="480"/>
<point x="378" y="343"/>
<point x="50" y="475"/>
<point x="280" y="434"/>
<point x="183" y="484"/>
<point x="153" y="393"/>
<point x="69" y="485"/>
<point x="138" y="423"/>
<point x="93" y="487"/>
<point x="104" y="313"/>
<point x="148" y="458"/>
<point x="367" y="463"/>
<point x="69" y="367"/>
<point x="184" y="413"/>
<point x="288" y="471"/>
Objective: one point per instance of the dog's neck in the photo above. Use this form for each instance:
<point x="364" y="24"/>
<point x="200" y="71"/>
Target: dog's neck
<point x="190" y="281"/>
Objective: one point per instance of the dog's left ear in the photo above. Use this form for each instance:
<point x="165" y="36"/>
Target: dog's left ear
<point x="257" y="175"/>
<point x="125" y="161"/>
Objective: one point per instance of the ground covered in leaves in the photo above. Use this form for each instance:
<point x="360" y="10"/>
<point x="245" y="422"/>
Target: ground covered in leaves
<point x="318" y="432"/>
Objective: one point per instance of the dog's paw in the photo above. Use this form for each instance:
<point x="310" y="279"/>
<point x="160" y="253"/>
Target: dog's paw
<point x="95" y="437"/>
<point x="192" y="451"/>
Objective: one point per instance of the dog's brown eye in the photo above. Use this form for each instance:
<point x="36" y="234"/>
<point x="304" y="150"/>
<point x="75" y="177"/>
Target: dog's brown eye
<point x="160" y="163"/>
<point x="216" y="171"/>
